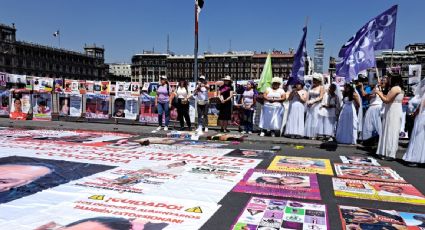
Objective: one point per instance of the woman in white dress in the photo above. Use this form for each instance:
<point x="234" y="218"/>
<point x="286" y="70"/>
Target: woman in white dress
<point x="327" y="113"/>
<point x="273" y="110"/>
<point x="346" y="132"/>
<point x="372" y="125"/>
<point x="391" y="123"/>
<point x="295" y="123"/>
<point x="416" y="151"/>
<point x="313" y="105"/>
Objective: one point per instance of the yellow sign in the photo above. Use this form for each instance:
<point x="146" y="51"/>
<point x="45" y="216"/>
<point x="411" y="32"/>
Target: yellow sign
<point x="302" y="165"/>
<point x="97" y="197"/>
<point x="194" y="209"/>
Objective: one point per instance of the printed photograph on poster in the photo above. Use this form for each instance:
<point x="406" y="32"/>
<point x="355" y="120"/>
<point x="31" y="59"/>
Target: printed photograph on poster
<point x="118" y="107"/>
<point x="3" y="79"/>
<point x="368" y="218"/>
<point x="251" y="153"/>
<point x="414" y="221"/>
<point x="135" y="89"/>
<point x="275" y="214"/>
<point x="148" y="111"/>
<point x="97" y="87"/>
<point x="105" y="87"/>
<point x="64" y="105"/>
<point x="200" y="144"/>
<point x="365" y="172"/>
<point x="415" y="72"/>
<point x="120" y="89"/>
<point x="82" y="86"/>
<point x="153" y="86"/>
<point x="75" y="105"/>
<point x="355" y="160"/>
<point x="4" y="102"/>
<point x="97" y="106"/>
<point x="41" y="106"/>
<point x="301" y="164"/>
<point x="131" y="110"/>
<point x="273" y="183"/>
<point x="23" y="176"/>
<point x="383" y="191"/>
<point x="89" y="86"/>
<point x="21" y="104"/>
<point x="42" y="84"/>
<point x="58" y="83"/>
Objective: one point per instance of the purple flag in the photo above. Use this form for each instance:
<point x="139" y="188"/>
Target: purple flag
<point x="299" y="61"/>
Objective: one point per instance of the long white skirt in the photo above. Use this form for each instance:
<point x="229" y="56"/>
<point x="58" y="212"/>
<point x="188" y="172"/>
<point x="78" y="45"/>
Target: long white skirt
<point x="346" y="132"/>
<point x="391" y="124"/>
<point x="416" y="151"/>
<point x="271" y="116"/>
<point x="295" y="122"/>
<point x="312" y="120"/>
<point x="326" y="126"/>
<point x="372" y="125"/>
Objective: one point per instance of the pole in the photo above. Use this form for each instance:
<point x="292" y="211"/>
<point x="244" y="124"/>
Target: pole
<point x="195" y="71"/>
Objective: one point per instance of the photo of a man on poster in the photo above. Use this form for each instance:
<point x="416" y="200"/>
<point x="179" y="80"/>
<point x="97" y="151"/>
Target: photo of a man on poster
<point x="16" y="112"/>
<point x="119" y="106"/>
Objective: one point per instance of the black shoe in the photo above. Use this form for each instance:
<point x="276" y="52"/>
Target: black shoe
<point x="182" y="129"/>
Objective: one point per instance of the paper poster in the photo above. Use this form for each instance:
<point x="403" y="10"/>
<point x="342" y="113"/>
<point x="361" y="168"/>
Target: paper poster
<point x="89" y="86"/>
<point x="89" y="209"/>
<point x="301" y="164"/>
<point x="72" y="86"/>
<point x="251" y="153"/>
<point x="153" y="86"/>
<point x="364" y="172"/>
<point x="105" y="87"/>
<point x="118" y="107"/>
<point x="368" y="218"/>
<point x="23" y="176"/>
<point x="200" y="144"/>
<point x="355" y="160"/>
<point x="120" y="89"/>
<point x="82" y="86"/>
<point x="383" y="191"/>
<point x="64" y="105"/>
<point x="4" y="102"/>
<point x="148" y="113"/>
<point x="42" y="106"/>
<point x="97" y="106"/>
<point x="274" y="214"/>
<point x="76" y="105"/>
<point x="58" y="85"/>
<point x="3" y="79"/>
<point x="131" y="110"/>
<point x="414" y="221"/>
<point x="156" y="140"/>
<point x="21" y="104"/>
<point x="273" y="183"/>
<point x="42" y="84"/>
<point x="415" y="72"/>
<point x="135" y="89"/>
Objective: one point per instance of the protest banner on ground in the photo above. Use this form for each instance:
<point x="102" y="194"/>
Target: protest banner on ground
<point x="365" y="172"/>
<point x="268" y="214"/>
<point x="284" y="184"/>
<point x="251" y="153"/>
<point x="354" y="160"/>
<point x="301" y="164"/>
<point x="414" y="221"/>
<point x="42" y="106"/>
<point x="383" y="191"/>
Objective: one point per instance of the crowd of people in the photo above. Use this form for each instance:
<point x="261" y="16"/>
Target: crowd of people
<point x="358" y="112"/>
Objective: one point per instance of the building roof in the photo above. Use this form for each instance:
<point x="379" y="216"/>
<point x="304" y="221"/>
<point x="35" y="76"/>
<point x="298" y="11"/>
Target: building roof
<point x="39" y="46"/>
<point x="274" y="55"/>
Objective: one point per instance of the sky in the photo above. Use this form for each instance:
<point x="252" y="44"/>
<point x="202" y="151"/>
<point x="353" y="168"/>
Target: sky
<point x="127" y="27"/>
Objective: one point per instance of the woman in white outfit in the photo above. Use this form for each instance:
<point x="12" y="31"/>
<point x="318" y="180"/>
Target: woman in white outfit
<point x="295" y="123"/>
<point x="391" y="123"/>
<point x="372" y="125"/>
<point x="313" y="105"/>
<point x="346" y="132"/>
<point x="327" y="113"/>
<point x="273" y="110"/>
<point x="416" y="151"/>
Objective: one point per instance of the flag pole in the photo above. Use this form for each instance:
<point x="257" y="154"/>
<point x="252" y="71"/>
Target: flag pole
<point x="195" y="71"/>
<point x="306" y="66"/>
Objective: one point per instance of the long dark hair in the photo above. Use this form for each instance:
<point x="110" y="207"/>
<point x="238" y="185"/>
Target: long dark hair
<point x="396" y="80"/>
<point x="348" y="91"/>
<point x="184" y="84"/>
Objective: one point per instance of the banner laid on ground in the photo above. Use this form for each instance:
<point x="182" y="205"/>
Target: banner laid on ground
<point x="273" y="214"/>
<point x="383" y="191"/>
<point x="369" y="218"/>
<point x="301" y="164"/>
<point x="365" y="172"/>
<point x="53" y="209"/>
<point x="4" y="102"/>
<point x="250" y="153"/>
<point x="273" y="183"/>
<point x="42" y="106"/>
<point x="354" y="160"/>
<point x="97" y="106"/>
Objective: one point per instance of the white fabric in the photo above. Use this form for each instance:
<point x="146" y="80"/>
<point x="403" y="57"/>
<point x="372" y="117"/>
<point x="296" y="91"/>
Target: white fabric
<point x="312" y="118"/>
<point x="274" y="95"/>
<point x="416" y="150"/>
<point x="372" y="125"/>
<point x="203" y="94"/>
<point x="329" y="101"/>
<point x="295" y="123"/>
<point x="388" y="141"/>
<point x="346" y="132"/>
<point x="326" y="126"/>
<point x="359" y="113"/>
<point x="271" y="116"/>
<point x="181" y="92"/>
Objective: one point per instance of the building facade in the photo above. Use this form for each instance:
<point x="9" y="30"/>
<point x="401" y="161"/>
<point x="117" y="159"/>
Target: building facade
<point x="418" y="49"/>
<point x="148" y="67"/>
<point x="120" y="70"/>
<point x="396" y="62"/>
<point x="25" y="58"/>
<point x="319" y="53"/>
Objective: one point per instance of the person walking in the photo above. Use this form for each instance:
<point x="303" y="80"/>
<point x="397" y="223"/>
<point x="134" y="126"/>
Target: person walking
<point x="313" y="105"/>
<point x="391" y="123"/>
<point x="328" y="113"/>
<point x="225" y="93"/>
<point x="272" y="112"/>
<point x="248" y="105"/>
<point x="346" y="132"/>
<point x="295" y="123"/>
<point x="201" y="95"/>
<point x="163" y="103"/>
<point x="182" y="105"/>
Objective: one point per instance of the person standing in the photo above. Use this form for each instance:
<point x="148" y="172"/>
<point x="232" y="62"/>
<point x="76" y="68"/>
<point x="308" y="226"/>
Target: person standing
<point x="313" y="105"/>
<point x="391" y="123"/>
<point x="248" y="105"/>
<point x="182" y="94"/>
<point x="295" y="123"/>
<point x="273" y="110"/>
<point x="163" y="103"/>
<point x="328" y="113"/>
<point x="201" y="95"/>
<point x="372" y="125"/>
<point x="225" y="93"/>
<point x="346" y="132"/>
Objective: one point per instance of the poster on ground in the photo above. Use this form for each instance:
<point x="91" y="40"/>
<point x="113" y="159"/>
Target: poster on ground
<point x="4" y="102"/>
<point x="75" y="105"/>
<point x="89" y="209"/>
<point x="21" y="105"/>
<point x="97" y="106"/>
<point x="252" y="153"/>
<point x="301" y="164"/>
<point x="414" y="221"/>
<point x="383" y="191"/>
<point x="42" y="106"/>
<point x="365" y="172"/>
<point x="355" y="160"/>
<point x="274" y="214"/>
<point x="284" y="184"/>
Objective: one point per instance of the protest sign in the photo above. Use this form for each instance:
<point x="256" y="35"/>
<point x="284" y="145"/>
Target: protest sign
<point x="355" y="160"/>
<point x="301" y="164"/>
<point x="42" y="106"/>
<point x="4" y="102"/>
<point x="251" y="153"/>
<point x="97" y="106"/>
<point x="21" y="105"/>
<point x="76" y="105"/>
<point x="365" y="172"/>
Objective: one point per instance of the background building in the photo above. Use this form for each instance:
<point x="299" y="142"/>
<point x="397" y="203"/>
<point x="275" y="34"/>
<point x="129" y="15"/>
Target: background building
<point x="418" y="49"/>
<point x="25" y="58"/>
<point x="398" y="65"/>
<point x="319" y="53"/>
<point x="148" y="66"/>
<point x="120" y="70"/>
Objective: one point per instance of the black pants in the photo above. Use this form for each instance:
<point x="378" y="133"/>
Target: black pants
<point x="183" y="114"/>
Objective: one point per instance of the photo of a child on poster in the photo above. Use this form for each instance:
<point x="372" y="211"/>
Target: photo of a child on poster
<point x="41" y="106"/>
<point x="97" y="106"/>
<point x="23" y="176"/>
<point x="20" y="106"/>
<point x="4" y="102"/>
<point x="63" y="105"/>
